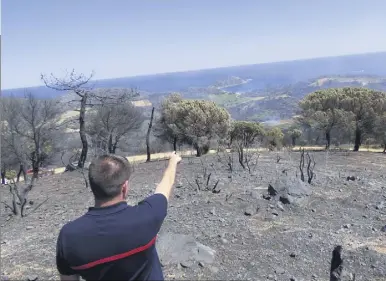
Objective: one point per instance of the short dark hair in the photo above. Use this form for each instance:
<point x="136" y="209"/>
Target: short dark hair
<point x="107" y="173"/>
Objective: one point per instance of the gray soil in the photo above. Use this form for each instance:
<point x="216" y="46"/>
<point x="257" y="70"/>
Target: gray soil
<point x="235" y="234"/>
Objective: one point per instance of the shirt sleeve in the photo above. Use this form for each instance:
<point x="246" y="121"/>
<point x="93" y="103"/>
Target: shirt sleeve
<point x="155" y="207"/>
<point x="61" y="263"/>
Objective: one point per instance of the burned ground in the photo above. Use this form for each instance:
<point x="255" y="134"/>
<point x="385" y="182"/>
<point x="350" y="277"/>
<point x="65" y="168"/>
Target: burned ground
<point x="253" y="238"/>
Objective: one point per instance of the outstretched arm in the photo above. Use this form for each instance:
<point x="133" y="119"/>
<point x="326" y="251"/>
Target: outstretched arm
<point x="166" y="184"/>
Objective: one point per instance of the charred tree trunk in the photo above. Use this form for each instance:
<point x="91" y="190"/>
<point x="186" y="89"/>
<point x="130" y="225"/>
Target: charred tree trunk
<point x="358" y="138"/>
<point x="35" y="162"/>
<point x="301" y="165"/>
<point x="3" y="174"/>
<point x="82" y="131"/>
<point x="293" y="141"/>
<point x="175" y="144"/>
<point x="21" y="171"/>
<point x="241" y="157"/>
<point x="110" y="144"/>
<point x="35" y="169"/>
<point x="148" y="136"/>
<point x="198" y="151"/>
<point x="384" y="148"/>
<point x="336" y="264"/>
<point x="328" y="139"/>
<point x="115" y="145"/>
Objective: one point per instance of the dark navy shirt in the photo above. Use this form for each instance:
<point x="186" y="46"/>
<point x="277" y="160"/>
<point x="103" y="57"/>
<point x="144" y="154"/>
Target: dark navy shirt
<point x="114" y="243"/>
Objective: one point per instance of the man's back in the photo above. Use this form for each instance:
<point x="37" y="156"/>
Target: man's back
<point x="114" y="243"/>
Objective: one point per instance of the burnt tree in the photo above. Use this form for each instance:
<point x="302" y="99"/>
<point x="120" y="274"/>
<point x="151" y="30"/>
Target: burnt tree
<point x="338" y="272"/>
<point x="109" y="123"/>
<point x="310" y="166"/>
<point x="19" y="197"/>
<point x="148" y="136"/>
<point x="86" y="97"/>
<point x="76" y="84"/>
<point x="31" y="126"/>
<point x="13" y="153"/>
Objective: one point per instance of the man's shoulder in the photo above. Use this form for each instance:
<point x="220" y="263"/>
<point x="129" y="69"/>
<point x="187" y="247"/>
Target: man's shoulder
<point x="155" y="200"/>
<point x="152" y="208"/>
<point x="74" y="225"/>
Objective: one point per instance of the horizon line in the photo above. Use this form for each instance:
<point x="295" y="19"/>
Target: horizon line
<point x="213" y="68"/>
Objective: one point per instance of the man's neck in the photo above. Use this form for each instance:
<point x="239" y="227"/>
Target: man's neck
<point x="101" y="204"/>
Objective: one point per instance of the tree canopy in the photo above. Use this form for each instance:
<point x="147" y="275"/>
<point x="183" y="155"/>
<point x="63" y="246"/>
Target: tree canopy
<point x="356" y="107"/>
<point x="322" y="110"/>
<point x="195" y="122"/>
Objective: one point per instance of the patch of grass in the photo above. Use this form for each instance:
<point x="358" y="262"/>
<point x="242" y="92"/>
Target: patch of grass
<point x="228" y="99"/>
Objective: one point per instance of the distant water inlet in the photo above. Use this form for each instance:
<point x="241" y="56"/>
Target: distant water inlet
<point x="247" y="86"/>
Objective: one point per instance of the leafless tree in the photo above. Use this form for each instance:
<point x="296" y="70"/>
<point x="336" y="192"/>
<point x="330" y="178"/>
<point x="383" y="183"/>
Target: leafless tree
<point x="110" y="123"/>
<point x="86" y="97"/>
<point x="310" y="166"/>
<point x="19" y="197"/>
<point x="12" y="151"/>
<point x="148" y="136"/>
<point x="204" y="180"/>
<point x="30" y="126"/>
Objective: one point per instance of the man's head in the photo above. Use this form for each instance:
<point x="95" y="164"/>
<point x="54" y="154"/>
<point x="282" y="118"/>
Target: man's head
<point x="109" y="177"/>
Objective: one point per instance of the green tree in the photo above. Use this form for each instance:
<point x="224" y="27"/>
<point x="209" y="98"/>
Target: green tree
<point x="167" y="126"/>
<point x="365" y="106"/>
<point x="295" y="134"/>
<point x="202" y="121"/>
<point x="195" y="122"/>
<point x="322" y="110"/>
<point x="380" y="131"/>
<point x="275" y="137"/>
<point x="242" y="135"/>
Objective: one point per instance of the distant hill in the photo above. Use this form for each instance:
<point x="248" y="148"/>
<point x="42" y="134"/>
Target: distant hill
<point x="247" y="78"/>
<point x="281" y="103"/>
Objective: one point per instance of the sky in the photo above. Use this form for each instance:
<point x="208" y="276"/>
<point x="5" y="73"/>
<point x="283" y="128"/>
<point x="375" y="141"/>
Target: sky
<point x="121" y="38"/>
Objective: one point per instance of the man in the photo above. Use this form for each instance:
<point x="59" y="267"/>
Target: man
<point x="115" y="241"/>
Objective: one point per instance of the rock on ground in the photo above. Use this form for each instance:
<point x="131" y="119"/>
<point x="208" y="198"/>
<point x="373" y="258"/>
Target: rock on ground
<point x="180" y="249"/>
<point x="289" y="190"/>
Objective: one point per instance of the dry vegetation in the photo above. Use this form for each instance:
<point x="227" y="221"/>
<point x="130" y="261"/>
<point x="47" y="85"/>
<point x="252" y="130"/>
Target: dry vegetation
<point x="253" y="238"/>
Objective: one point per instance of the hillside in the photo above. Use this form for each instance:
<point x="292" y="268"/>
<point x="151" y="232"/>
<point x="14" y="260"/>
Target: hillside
<point x="240" y="233"/>
<point x="273" y="106"/>
<point x="281" y="103"/>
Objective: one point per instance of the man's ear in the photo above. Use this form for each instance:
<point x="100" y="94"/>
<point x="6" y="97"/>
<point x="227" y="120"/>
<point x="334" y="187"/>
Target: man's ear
<point x="125" y="189"/>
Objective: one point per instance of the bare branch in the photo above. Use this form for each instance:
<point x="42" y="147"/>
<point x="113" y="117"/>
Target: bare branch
<point x="71" y="82"/>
